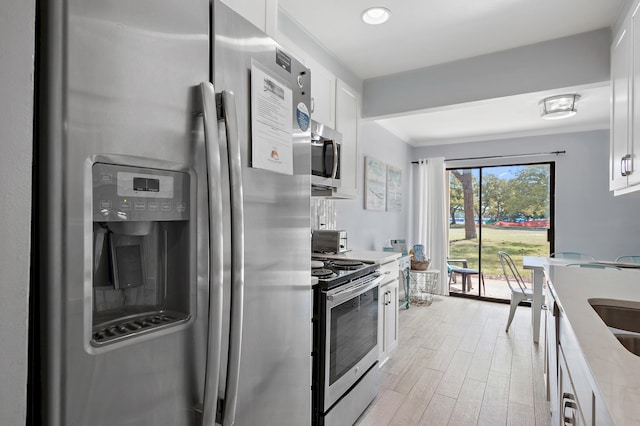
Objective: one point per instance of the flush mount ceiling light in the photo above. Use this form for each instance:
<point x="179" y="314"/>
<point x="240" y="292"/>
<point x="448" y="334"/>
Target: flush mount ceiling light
<point x="557" y="107"/>
<point x="376" y="15"/>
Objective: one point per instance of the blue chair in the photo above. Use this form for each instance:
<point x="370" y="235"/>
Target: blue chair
<point x="464" y="272"/>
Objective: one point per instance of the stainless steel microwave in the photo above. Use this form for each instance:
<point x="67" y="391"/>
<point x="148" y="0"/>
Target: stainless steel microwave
<point x="325" y="156"/>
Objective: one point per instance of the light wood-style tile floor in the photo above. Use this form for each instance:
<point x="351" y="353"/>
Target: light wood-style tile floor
<point x="455" y="365"/>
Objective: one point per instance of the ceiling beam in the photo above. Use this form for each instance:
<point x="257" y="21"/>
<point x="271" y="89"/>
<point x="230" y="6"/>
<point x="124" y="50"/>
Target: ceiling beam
<point x="564" y="62"/>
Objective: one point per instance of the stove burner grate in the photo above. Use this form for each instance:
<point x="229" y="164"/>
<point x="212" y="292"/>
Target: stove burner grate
<point x="347" y="264"/>
<point x="321" y="273"/>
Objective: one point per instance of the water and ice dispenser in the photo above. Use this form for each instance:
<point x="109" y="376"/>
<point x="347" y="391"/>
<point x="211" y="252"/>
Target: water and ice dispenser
<point x="141" y="251"/>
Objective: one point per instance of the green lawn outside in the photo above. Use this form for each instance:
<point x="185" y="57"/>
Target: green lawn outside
<point x="517" y="242"/>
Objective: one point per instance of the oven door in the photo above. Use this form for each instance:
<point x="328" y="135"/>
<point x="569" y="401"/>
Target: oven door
<point x="351" y="345"/>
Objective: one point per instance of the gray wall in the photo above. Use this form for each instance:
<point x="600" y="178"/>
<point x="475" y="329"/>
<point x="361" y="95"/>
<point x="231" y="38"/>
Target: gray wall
<point x="569" y="61"/>
<point x="367" y="229"/>
<point x="17" y="20"/>
<point x="588" y="217"/>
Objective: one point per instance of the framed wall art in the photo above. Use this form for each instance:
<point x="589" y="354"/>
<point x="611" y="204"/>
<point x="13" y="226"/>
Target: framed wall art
<point x="394" y="189"/>
<point x="375" y="184"/>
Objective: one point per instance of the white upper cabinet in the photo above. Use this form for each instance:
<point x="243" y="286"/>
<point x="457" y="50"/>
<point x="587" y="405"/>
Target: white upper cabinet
<point x="261" y="13"/>
<point x="620" y="67"/>
<point x="323" y="94"/>
<point x="323" y="85"/>
<point x="347" y="120"/>
<point x="625" y="107"/>
<point x="336" y="105"/>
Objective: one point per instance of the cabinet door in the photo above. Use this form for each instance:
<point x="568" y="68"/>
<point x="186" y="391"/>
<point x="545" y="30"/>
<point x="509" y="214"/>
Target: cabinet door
<point x="633" y="147"/>
<point x="391" y="317"/>
<point x="347" y="115"/>
<point x="569" y="408"/>
<point x="323" y="89"/>
<point x="551" y="364"/>
<point x="254" y="11"/>
<point x="620" y="69"/>
<point x="388" y="320"/>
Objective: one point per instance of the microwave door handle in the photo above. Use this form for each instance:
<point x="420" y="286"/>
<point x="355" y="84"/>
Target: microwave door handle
<point x="212" y="153"/>
<point x="334" y="172"/>
<point x="237" y="257"/>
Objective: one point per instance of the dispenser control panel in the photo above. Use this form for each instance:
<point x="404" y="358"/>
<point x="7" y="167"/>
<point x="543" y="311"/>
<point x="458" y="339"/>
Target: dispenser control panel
<point x="125" y="193"/>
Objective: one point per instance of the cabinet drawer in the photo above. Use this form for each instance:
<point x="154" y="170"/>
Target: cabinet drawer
<point x="389" y="271"/>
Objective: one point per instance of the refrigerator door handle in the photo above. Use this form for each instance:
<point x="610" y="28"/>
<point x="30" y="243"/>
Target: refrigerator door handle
<point x="214" y="190"/>
<point x="237" y="257"/>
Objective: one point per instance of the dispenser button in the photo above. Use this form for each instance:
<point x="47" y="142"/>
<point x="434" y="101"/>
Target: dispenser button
<point x="181" y="207"/>
<point x="106" y="178"/>
<point x="125" y="205"/>
<point x="105" y="204"/>
<point x="153" y="206"/>
<point x="140" y="205"/>
<point x="166" y="207"/>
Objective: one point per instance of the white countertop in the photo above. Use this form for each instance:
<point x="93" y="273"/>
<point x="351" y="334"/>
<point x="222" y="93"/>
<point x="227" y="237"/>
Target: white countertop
<point x="380" y="257"/>
<point x="615" y="370"/>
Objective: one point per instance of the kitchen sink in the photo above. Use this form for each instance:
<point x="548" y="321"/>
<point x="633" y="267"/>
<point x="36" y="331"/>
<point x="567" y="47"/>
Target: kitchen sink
<point x="623" y="319"/>
<point x="630" y="341"/>
<point x="620" y="314"/>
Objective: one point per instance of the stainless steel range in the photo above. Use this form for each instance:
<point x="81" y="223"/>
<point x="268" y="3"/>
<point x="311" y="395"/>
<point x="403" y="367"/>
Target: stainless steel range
<point x="345" y="336"/>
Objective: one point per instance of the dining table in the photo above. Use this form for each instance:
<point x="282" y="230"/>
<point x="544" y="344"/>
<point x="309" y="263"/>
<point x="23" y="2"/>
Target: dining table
<point x="537" y="264"/>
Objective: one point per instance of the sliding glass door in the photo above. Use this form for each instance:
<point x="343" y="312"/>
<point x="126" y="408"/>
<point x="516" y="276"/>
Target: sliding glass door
<point x="491" y="209"/>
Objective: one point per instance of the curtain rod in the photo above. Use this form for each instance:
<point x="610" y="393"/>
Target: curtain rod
<point x="501" y="156"/>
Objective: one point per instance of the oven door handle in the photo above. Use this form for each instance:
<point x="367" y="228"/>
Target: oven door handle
<point x="340" y="296"/>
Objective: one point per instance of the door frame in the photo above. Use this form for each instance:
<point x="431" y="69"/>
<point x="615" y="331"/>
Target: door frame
<point x="550" y="231"/>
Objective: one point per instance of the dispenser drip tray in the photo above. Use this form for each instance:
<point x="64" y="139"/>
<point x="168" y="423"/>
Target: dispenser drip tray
<point x="131" y="326"/>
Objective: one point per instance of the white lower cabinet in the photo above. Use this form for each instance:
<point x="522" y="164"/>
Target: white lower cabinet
<point x="570" y="410"/>
<point x="388" y="311"/>
<point x="573" y="396"/>
<point x="551" y="358"/>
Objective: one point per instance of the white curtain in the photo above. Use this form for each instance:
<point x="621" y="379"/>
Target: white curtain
<point x="432" y="219"/>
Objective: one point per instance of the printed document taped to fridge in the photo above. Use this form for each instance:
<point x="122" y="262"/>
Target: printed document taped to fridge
<point x="271" y="115"/>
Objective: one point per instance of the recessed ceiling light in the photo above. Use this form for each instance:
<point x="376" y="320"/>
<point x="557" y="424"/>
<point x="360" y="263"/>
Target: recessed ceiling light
<point x="376" y="15"/>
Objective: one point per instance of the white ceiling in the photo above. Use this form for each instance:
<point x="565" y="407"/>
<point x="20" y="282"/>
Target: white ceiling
<point x="500" y="118"/>
<point x="422" y="33"/>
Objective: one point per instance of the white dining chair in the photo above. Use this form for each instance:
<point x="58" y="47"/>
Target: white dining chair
<point x="519" y="290"/>
<point x="628" y="259"/>
<point x="573" y="255"/>
<point x="594" y="266"/>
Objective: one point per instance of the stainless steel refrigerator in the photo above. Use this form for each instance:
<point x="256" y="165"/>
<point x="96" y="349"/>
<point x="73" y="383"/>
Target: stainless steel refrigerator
<point x="172" y="246"/>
